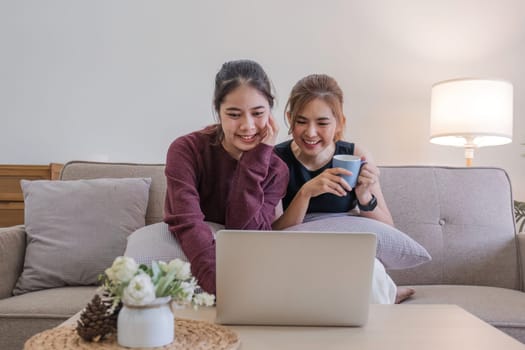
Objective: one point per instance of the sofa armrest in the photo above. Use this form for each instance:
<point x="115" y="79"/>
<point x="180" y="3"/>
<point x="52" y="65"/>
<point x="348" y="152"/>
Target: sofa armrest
<point x="521" y="249"/>
<point x="12" y="253"/>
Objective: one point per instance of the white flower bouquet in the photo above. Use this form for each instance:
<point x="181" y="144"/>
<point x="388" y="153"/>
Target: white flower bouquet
<point x="133" y="284"/>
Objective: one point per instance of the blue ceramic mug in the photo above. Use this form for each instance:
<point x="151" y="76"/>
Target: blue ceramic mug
<point x="351" y="163"/>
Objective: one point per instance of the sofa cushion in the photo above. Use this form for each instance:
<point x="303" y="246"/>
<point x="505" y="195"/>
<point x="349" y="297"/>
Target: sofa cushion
<point x="501" y="307"/>
<point x="156" y="242"/>
<point x="153" y="242"/>
<point x="395" y="249"/>
<point x="12" y="251"/>
<point x="75" y="229"/>
<point x="77" y="170"/>
<point x="25" y="315"/>
<point x="462" y="216"/>
<point x="60" y="303"/>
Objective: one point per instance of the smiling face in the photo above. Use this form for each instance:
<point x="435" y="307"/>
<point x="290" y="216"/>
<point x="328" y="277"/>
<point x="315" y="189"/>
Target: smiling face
<point x="314" y="132"/>
<point x="244" y="115"/>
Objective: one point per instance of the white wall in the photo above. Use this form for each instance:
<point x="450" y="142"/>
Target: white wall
<point x="119" y="80"/>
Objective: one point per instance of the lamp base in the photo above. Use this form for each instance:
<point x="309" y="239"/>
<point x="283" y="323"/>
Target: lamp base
<point x="469" y="155"/>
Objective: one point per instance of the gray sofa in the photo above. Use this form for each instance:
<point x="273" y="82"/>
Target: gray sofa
<point x="462" y="216"/>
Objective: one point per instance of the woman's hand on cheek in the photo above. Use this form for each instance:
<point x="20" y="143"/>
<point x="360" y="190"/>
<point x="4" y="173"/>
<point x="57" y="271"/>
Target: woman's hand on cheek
<point x="270" y="132"/>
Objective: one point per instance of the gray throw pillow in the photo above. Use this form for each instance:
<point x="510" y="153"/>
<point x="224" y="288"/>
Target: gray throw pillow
<point x="395" y="249"/>
<point x="153" y="242"/>
<point x="156" y="242"/>
<point x="75" y="229"/>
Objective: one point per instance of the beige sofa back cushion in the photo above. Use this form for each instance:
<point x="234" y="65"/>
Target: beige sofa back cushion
<point x="76" y="170"/>
<point x="462" y="216"/>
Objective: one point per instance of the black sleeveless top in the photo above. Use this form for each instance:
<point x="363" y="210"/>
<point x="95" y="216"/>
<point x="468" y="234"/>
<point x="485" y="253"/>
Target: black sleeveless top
<point x="327" y="202"/>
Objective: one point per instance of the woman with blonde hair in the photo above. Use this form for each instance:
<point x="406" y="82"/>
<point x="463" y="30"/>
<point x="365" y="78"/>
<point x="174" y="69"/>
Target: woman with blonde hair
<point x="314" y="113"/>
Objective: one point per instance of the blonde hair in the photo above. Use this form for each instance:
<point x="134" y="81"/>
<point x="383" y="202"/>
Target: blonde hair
<point x="316" y="86"/>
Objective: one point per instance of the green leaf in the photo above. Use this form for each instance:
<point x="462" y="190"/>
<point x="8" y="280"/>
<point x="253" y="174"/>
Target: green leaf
<point x="164" y="283"/>
<point x="174" y="289"/>
<point x="156" y="272"/>
<point x="519" y="213"/>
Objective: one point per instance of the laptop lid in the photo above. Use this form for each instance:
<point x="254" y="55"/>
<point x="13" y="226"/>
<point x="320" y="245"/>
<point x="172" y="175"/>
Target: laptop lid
<point x="294" y="278"/>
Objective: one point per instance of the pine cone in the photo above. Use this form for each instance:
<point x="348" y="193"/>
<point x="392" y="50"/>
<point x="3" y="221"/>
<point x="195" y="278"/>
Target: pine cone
<point x="95" y="320"/>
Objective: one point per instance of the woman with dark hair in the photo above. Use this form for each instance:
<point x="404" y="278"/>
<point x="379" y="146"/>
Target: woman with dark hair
<point x="226" y="173"/>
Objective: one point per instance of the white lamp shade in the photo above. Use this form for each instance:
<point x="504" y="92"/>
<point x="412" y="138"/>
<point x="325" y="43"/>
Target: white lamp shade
<point x="471" y="112"/>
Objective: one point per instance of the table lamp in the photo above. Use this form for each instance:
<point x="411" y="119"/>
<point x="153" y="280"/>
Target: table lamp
<point x="471" y="113"/>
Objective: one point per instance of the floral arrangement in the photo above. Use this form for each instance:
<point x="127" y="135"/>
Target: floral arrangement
<point x="133" y="284"/>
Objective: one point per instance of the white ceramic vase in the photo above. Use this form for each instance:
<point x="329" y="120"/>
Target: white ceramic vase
<point x="146" y="326"/>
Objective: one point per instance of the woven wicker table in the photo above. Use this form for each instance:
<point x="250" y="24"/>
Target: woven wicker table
<point x="189" y="334"/>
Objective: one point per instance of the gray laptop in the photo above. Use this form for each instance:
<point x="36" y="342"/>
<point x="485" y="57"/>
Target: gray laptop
<point x="294" y="278"/>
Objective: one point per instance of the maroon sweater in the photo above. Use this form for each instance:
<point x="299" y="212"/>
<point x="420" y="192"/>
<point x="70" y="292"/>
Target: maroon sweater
<point x="204" y="183"/>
